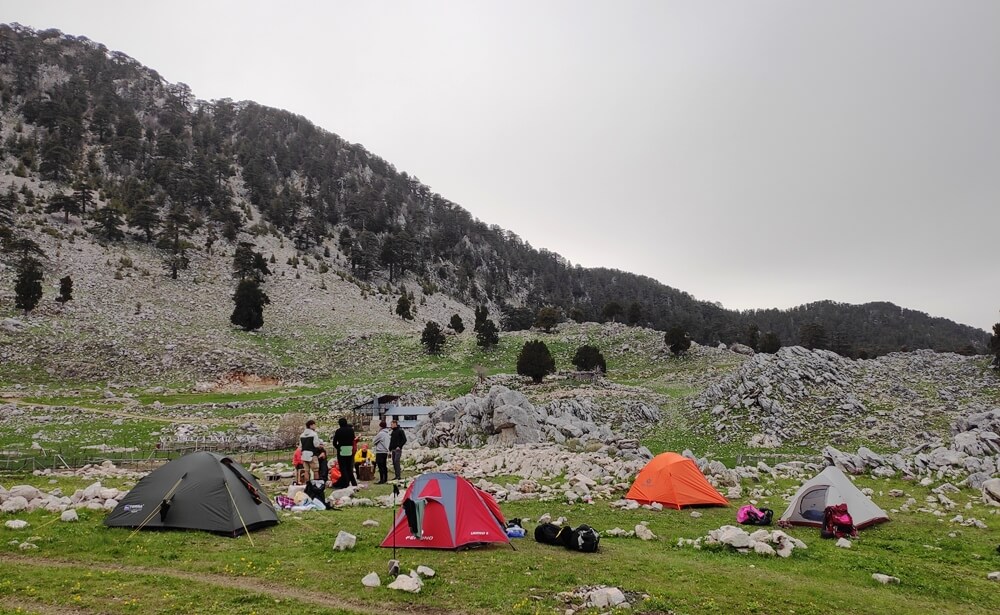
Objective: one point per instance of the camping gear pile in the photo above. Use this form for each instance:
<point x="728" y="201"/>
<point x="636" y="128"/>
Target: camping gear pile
<point x="751" y="515"/>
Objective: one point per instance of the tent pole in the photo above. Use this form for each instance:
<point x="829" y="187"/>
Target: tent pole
<point x="157" y="509"/>
<point x="240" y="515"/>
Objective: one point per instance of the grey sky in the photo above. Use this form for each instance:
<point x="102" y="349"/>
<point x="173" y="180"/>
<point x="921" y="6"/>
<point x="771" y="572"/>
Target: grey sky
<point x="759" y="154"/>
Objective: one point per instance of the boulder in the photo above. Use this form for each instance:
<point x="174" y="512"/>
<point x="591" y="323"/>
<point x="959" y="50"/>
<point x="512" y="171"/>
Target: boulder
<point x="371" y="580"/>
<point x="344" y="541"/>
<point x="14" y="504"/>
<point x="69" y="516"/>
<point x="16" y="524"/>
<point x="885" y="579"/>
<point x="843" y="543"/>
<point x="762" y="548"/>
<point x="605" y="597"/>
<point x="406" y="583"/>
<point x="644" y="532"/>
<point x="991" y="492"/>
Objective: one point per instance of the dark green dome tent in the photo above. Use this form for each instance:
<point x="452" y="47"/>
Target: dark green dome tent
<point x="199" y="491"/>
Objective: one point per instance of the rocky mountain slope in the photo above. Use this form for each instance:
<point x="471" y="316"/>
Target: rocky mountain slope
<point x="83" y="122"/>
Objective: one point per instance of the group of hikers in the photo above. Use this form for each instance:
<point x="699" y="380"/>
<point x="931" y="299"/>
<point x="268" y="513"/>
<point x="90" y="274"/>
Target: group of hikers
<point x="354" y="458"/>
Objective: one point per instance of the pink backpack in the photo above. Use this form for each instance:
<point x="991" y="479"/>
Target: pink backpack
<point x="751" y="515"/>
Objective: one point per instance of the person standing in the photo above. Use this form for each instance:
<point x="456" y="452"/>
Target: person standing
<point x="312" y="448"/>
<point x="397" y="439"/>
<point x="381" y="444"/>
<point x="343" y="442"/>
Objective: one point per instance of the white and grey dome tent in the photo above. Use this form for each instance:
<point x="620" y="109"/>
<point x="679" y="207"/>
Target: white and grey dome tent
<point x="828" y="488"/>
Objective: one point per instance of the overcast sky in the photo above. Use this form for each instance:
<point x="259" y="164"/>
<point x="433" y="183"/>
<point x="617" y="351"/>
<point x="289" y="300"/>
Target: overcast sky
<point x="754" y="153"/>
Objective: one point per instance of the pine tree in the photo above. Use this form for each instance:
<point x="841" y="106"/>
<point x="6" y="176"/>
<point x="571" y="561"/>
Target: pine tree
<point x="752" y="338"/>
<point x="64" y="203"/>
<point x="995" y="345"/>
<point x="481" y="315"/>
<point x="28" y="285"/>
<point x="177" y="227"/>
<point x="588" y="357"/>
<point x="108" y="224"/>
<point x="249" y="264"/>
<point x="770" y="343"/>
<point x="250" y="301"/>
<point x="813" y="336"/>
<point x="612" y="310"/>
<point x="432" y="338"/>
<point x="456" y="324"/>
<point x="487" y="336"/>
<point x="634" y="313"/>
<point x="144" y="217"/>
<point x="535" y="361"/>
<point x="547" y="318"/>
<point x="403" y="308"/>
<point x="65" y="290"/>
<point x="677" y="339"/>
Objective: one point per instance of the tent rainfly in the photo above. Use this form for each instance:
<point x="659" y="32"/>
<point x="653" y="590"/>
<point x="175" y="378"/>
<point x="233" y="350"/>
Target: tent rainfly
<point x="199" y="491"/>
<point x="828" y="488"/>
<point x="674" y="480"/>
<point x="445" y="511"/>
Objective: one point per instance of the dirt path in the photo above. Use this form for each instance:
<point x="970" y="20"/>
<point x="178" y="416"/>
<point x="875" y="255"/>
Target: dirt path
<point x="253" y="585"/>
<point x="37" y="607"/>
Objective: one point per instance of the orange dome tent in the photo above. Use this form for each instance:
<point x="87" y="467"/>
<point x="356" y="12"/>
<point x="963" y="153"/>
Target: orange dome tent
<point x="674" y="480"/>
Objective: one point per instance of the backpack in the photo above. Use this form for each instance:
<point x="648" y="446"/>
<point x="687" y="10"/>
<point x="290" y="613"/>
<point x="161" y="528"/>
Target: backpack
<point x="837" y="522"/>
<point x="585" y="539"/>
<point x="315" y="490"/>
<point x="751" y="515"/>
<point x="550" y="534"/>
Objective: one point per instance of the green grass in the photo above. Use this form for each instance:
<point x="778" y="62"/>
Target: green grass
<point x="87" y="566"/>
<point x="291" y="568"/>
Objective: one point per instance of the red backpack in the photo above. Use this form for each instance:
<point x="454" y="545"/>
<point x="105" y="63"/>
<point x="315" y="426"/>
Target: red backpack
<point x="837" y="522"/>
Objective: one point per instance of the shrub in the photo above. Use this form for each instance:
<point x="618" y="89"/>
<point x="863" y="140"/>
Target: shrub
<point x="588" y="357"/>
<point x="535" y="361"/>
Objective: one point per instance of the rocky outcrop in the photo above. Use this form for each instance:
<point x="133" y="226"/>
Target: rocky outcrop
<point x="816" y="397"/>
<point x="505" y="417"/>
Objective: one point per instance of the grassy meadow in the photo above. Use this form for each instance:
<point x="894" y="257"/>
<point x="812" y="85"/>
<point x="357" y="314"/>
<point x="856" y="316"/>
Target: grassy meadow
<point x="83" y="567"/>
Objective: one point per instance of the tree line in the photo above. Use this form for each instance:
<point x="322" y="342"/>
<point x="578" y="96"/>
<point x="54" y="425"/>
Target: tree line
<point x="166" y="165"/>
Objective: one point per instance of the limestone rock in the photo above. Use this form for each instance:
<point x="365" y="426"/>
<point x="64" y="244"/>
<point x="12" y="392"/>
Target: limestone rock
<point x="843" y="543"/>
<point x="991" y="492"/>
<point x="69" y="516"/>
<point x="644" y="532"/>
<point x="371" y="580"/>
<point x="605" y="597"/>
<point x="406" y="583"/>
<point x="344" y="541"/>
<point x="16" y="524"/>
<point x="885" y="579"/>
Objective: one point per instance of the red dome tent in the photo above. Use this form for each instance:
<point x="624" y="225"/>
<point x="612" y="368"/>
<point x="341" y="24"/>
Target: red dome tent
<point x="445" y="511"/>
<point x="674" y="480"/>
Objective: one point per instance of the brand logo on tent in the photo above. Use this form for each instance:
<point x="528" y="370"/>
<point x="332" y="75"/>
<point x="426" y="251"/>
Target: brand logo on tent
<point x="424" y="537"/>
<point x="132" y="508"/>
<point x="479" y="533"/>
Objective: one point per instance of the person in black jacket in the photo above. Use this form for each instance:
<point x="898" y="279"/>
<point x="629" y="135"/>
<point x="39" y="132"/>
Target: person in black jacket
<point x="343" y="443"/>
<point x="396" y="441"/>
